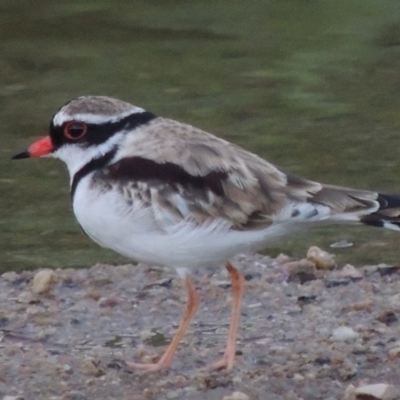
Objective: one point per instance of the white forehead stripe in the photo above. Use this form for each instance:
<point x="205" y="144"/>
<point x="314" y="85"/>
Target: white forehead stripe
<point x="62" y="117"/>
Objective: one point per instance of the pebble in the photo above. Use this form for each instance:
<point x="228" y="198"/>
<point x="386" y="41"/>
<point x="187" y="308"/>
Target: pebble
<point x="173" y="395"/>
<point x="13" y="398"/>
<point x="224" y="284"/>
<point x="362" y="305"/>
<point x="108" y="302"/>
<point x="378" y="391"/>
<point x="394" y="353"/>
<point x="349" y="393"/>
<point x="146" y="334"/>
<point x="349" y="271"/>
<point x="344" y="333"/>
<point x="394" y="302"/>
<point x="385" y="270"/>
<point x="387" y="317"/>
<point x="236" y="396"/>
<point x="298" y="377"/>
<point x="321" y="258"/>
<point x="74" y="395"/>
<point x="66" y="368"/>
<point x="34" y="309"/>
<point x="93" y="294"/>
<point x="10" y="276"/>
<point x="341" y="244"/>
<point x="43" y="280"/>
<point x="12" y="350"/>
<point x="25" y="297"/>
<point x="302" y="271"/>
<point x="254" y="305"/>
<point x="90" y="367"/>
<point x="78" y="308"/>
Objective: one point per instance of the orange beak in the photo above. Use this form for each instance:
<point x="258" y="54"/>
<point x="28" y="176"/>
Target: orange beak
<point x="40" y="148"/>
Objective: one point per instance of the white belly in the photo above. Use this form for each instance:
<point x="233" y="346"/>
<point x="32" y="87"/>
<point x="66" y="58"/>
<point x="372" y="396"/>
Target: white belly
<point x="133" y="232"/>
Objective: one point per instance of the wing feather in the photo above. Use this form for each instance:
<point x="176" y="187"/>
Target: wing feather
<point x="194" y="175"/>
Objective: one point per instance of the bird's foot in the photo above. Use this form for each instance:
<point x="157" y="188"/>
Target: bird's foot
<point x="226" y="362"/>
<point x="150" y="367"/>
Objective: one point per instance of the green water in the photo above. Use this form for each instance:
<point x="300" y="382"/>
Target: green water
<point x="313" y="86"/>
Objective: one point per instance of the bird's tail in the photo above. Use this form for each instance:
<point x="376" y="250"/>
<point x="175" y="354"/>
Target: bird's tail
<point x="387" y="215"/>
<point x="311" y="201"/>
<point x="358" y="206"/>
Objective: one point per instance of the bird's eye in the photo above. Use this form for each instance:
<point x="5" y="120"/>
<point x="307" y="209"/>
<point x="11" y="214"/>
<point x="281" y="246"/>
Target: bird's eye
<point x="75" y="130"/>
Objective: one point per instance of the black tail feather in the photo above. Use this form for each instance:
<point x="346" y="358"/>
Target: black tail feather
<point x="388" y="201"/>
<point x="388" y="214"/>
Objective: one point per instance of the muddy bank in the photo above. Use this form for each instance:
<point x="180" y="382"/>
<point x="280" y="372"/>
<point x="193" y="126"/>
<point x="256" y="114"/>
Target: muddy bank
<point x="306" y="333"/>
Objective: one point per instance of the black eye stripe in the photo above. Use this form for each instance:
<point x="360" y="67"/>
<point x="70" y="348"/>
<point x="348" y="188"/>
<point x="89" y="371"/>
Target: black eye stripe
<point x="100" y="133"/>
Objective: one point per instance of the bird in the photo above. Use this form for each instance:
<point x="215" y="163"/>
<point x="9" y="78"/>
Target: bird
<point x="167" y="193"/>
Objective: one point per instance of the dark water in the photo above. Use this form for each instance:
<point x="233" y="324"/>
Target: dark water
<point x="313" y="86"/>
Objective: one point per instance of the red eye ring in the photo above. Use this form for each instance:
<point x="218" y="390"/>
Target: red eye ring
<point x="75" y="130"/>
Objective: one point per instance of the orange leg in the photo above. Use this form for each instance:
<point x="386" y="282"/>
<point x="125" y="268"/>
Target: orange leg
<point x="165" y="361"/>
<point x="228" y="358"/>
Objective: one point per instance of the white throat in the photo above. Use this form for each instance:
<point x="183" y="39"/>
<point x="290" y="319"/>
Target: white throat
<point x="77" y="157"/>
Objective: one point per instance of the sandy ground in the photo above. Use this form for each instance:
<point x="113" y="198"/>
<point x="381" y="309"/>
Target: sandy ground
<point x="306" y="333"/>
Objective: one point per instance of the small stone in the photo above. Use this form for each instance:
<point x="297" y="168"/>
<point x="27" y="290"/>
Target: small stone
<point x="13" y="398"/>
<point x="25" y="297"/>
<point x="332" y="283"/>
<point x="224" y="284"/>
<point x="363" y="305"/>
<point x="146" y="334"/>
<point x="344" y="333"/>
<point x="349" y="271"/>
<point x="348" y="370"/>
<point x="165" y="282"/>
<point x="93" y="294"/>
<point x="341" y="244"/>
<point x="45" y="333"/>
<point x="74" y="395"/>
<point x="394" y="353"/>
<point x="173" y="395"/>
<point x="254" y="305"/>
<point x="369" y="269"/>
<point x="301" y="271"/>
<point x="298" y="377"/>
<point x="34" y="309"/>
<point x="283" y="258"/>
<point x="10" y="276"/>
<point x="12" y="349"/>
<point x="349" y="392"/>
<point x="122" y="270"/>
<point x="66" y="368"/>
<point x="108" y="302"/>
<point x="378" y="391"/>
<point x="394" y="302"/>
<point x="236" y="396"/>
<point x="306" y="299"/>
<point x="138" y="396"/>
<point x="78" y="308"/>
<point x="387" y="317"/>
<point x="90" y="367"/>
<point x="385" y="270"/>
<point x="321" y="258"/>
<point x="43" y="280"/>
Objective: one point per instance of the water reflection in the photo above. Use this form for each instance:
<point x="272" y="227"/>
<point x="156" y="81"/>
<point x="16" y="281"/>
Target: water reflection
<point x="313" y="86"/>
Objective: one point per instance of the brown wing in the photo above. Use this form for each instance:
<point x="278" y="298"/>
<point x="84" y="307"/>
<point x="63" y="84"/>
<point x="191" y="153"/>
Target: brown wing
<point x="189" y="172"/>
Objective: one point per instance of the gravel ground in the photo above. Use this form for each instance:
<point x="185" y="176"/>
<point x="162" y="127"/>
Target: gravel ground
<point x="306" y="332"/>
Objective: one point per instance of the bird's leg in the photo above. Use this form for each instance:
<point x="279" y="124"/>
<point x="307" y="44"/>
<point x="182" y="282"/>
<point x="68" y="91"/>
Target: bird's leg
<point x="228" y="358"/>
<point x="166" y="359"/>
